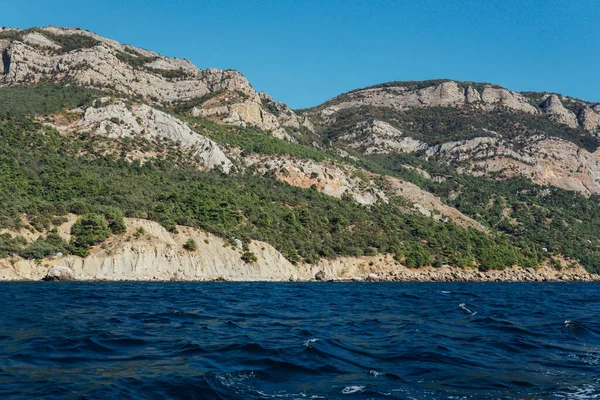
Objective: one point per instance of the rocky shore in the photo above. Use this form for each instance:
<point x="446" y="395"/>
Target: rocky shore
<point x="158" y="255"/>
<point x="469" y="275"/>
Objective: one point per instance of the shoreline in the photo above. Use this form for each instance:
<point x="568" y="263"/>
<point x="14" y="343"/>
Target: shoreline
<point x="160" y="256"/>
<point x="405" y="275"/>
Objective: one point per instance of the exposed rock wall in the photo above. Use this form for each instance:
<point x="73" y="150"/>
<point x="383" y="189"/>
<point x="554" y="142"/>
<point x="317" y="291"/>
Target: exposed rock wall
<point x="446" y="94"/>
<point x="136" y="72"/>
<point x="117" y="119"/>
<point x="552" y="105"/>
<point x="379" y="137"/>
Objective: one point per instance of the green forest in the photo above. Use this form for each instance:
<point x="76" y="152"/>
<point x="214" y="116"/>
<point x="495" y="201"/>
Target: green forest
<point x="45" y="175"/>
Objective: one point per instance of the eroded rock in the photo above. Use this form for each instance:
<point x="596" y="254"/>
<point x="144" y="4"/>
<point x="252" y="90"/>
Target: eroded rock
<point x="59" y="274"/>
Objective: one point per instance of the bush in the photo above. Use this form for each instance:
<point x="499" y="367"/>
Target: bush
<point x="10" y="245"/>
<point x="89" y="230"/>
<point x="249" y="257"/>
<point x="190" y="245"/>
<point x="115" y="219"/>
<point x="45" y="247"/>
<point x="416" y="256"/>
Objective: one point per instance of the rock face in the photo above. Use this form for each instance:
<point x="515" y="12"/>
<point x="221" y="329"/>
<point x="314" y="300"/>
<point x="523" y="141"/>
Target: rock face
<point x="445" y="94"/>
<point x="379" y="137"/>
<point x="116" y="119"/>
<point x="333" y="180"/>
<point x="59" y="274"/>
<point x="589" y="119"/>
<point x="553" y="105"/>
<point x="73" y="55"/>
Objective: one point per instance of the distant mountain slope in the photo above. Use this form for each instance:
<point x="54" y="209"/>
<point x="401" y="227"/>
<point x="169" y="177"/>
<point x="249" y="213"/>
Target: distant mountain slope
<point x="483" y="128"/>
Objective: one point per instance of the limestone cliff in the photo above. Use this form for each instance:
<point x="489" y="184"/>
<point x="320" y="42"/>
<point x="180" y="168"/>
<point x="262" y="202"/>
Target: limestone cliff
<point x="482" y="128"/>
<point x="65" y="55"/>
<point x="446" y="94"/>
<point x="115" y="118"/>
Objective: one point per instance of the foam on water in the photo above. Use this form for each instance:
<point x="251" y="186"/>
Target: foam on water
<point x="464" y="307"/>
<point x="352" y="389"/>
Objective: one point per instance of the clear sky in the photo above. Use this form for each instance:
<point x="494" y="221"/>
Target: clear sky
<point x="304" y="52"/>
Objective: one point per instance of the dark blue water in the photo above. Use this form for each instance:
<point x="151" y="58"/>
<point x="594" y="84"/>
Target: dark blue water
<point x="288" y="341"/>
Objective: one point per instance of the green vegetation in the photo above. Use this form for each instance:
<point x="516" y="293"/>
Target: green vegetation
<point x="253" y="140"/>
<point x="133" y="58"/>
<point x="190" y="245"/>
<point x="139" y="232"/>
<point x="89" y="230"/>
<point x="562" y="221"/>
<point x="249" y="257"/>
<point x="41" y="175"/>
<point x="44" y="99"/>
<point x="10" y="245"/>
<point x="45" y="247"/>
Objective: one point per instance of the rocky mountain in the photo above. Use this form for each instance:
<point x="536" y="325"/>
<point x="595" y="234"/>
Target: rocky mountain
<point x="53" y="54"/>
<point x="482" y="129"/>
<point x="121" y="163"/>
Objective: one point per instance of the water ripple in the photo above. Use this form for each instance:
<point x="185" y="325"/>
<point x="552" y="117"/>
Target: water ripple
<point x="299" y="341"/>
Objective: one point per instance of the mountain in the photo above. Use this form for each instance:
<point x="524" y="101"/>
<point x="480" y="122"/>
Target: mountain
<point x="77" y="56"/>
<point x="483" y="129"/>
<point x="120" y="163"/>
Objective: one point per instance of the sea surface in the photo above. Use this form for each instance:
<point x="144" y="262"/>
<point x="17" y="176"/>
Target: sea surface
<point x="299" y="340"/>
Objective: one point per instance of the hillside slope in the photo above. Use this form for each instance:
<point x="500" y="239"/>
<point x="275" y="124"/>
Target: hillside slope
<point x="426" y="174"/>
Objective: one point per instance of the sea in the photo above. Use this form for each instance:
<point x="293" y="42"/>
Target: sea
<point x="225" y="340"/>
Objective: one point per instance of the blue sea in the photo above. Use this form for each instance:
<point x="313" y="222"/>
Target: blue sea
<point x="299" y="340"/>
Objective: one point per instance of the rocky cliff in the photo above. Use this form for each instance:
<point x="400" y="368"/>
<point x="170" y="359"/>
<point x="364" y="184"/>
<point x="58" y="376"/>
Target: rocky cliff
<point x="486" y="129"/>
<point x="53" y="54"/>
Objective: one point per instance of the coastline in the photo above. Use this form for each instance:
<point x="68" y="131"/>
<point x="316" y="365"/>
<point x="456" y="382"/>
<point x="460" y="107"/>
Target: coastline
<point x="160" y="256"/>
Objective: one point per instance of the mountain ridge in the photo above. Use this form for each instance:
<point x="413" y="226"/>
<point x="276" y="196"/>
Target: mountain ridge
<point x="431" y="173"/>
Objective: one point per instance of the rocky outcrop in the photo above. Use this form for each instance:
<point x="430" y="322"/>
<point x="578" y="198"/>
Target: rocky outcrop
<point x="445" y="94"/>
<point x="285" y="115"/>
<point x="379" y="137"/>
<point x="552" y="105"/>
<point x="494" y="97"/>
<point x="117" y="119"/>
<point x="106" y="64"/>
<point x="59" y="274"/>
<point x="333" y="180"/>
<point x="247" y="113"/>
<point x="589" y="119"/>
<point x="551" y="161"/>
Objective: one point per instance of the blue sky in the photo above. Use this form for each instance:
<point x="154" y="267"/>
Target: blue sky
<point x="304" y="52"/>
